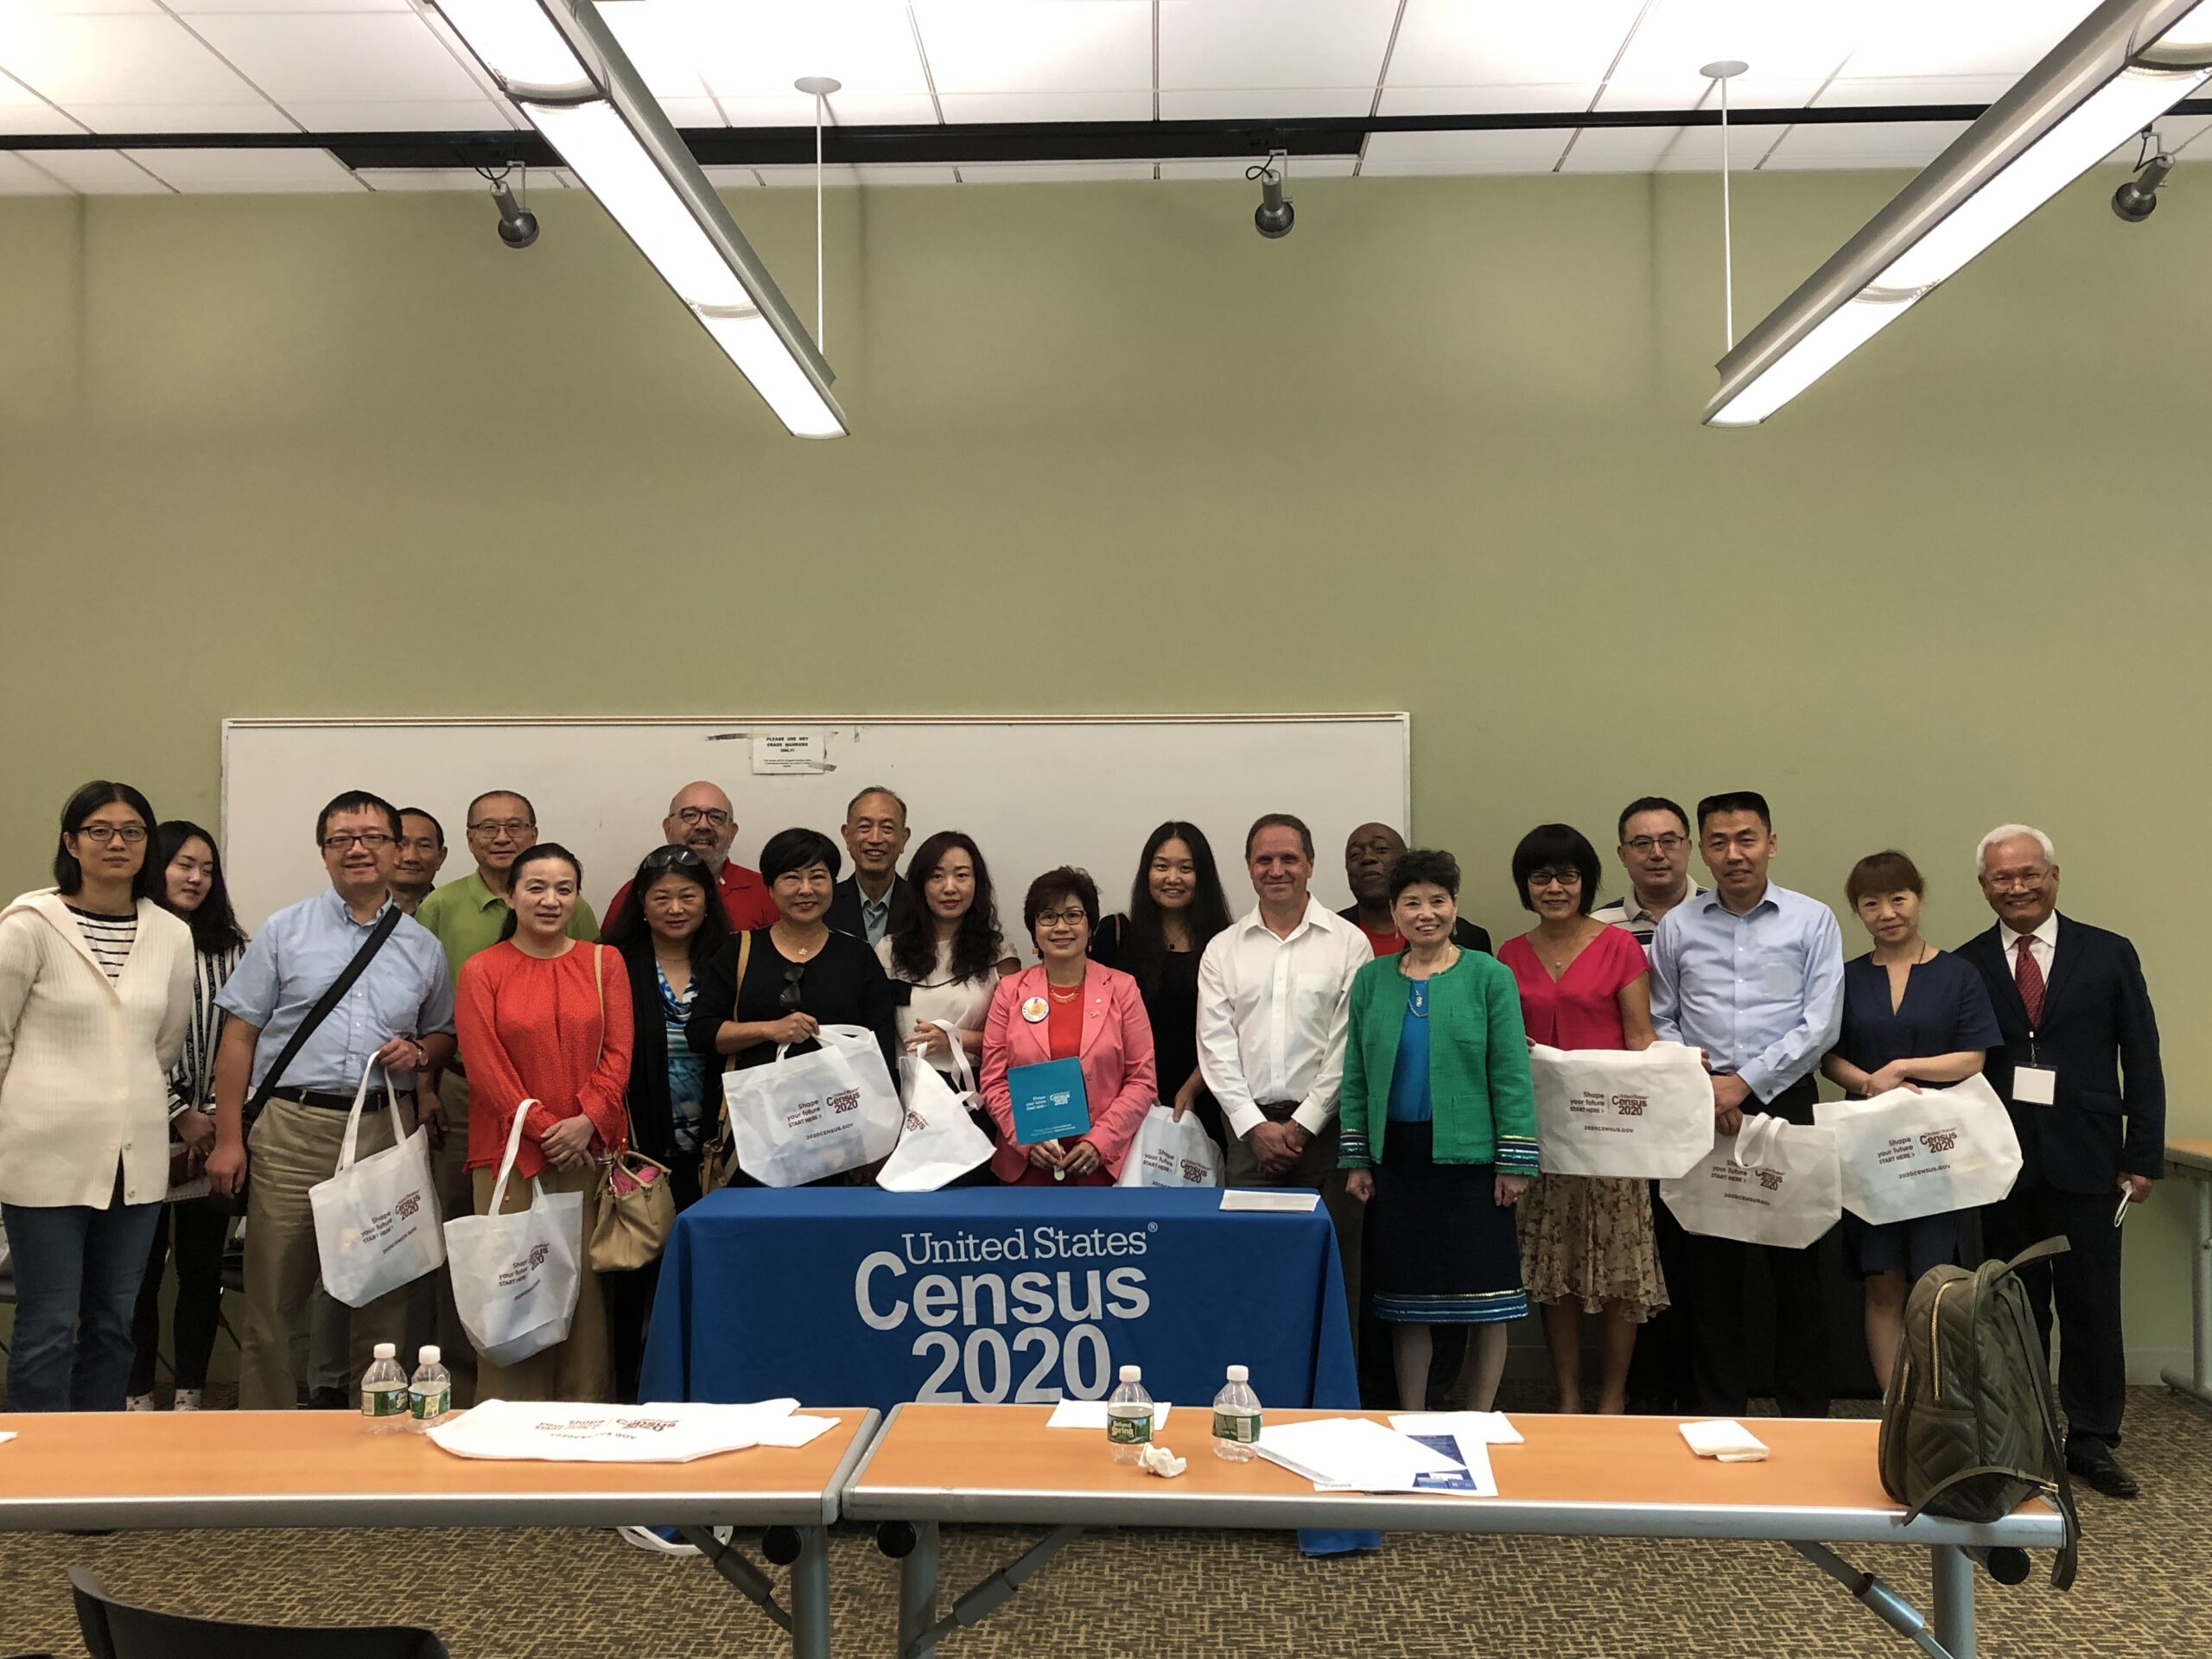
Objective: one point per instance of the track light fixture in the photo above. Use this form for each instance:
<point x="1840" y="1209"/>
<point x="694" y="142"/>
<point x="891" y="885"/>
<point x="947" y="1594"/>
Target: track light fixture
<point x="1274" y="215"/>
<point x="2138" y="199"/>
<point x="518" y="225"/>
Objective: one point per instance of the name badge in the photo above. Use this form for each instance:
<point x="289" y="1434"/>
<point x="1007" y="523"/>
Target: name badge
<point x="1035" y="1010"/>
<point x="2035" y="1085"/>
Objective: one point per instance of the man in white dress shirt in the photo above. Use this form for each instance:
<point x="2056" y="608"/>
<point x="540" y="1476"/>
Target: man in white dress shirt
<point x="1274" y="993"/>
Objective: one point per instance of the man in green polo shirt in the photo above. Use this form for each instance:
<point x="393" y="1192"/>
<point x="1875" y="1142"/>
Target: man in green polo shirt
<point x="467" y="916"/>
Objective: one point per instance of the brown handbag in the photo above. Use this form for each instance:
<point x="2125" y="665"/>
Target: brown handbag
<point x="717" y="1158"/>
<point x="637" y="1206"/>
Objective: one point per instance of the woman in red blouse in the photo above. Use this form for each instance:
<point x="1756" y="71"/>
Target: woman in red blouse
<point x="544" y="1022"/>
<point x="1587" y="1243"/>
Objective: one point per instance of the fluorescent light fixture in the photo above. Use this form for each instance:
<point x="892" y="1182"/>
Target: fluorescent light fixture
<point x="2129" y="62"/>
<point x="562" y="67"/>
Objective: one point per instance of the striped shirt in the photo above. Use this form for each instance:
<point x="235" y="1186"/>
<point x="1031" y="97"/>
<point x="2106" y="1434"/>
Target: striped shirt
<point x="109" y="938"/>
<point x="193" y="1083"/>
<point x="1630" y="917"/>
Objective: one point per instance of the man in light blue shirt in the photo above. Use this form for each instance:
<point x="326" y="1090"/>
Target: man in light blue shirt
<point x="397" y="1016"/>
<point x="1753" y="974"/>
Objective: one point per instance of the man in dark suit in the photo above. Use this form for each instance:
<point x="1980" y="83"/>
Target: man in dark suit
<point x="2080" y="1071"/>
<point x="1370" y="851"/>
<point x="875" y="898"/>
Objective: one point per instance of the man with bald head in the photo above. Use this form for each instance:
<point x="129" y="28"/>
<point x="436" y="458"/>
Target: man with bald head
<point x="700" y="817"/>
<point x="2080" y="1071"/>
<point x="1370" y="851"/>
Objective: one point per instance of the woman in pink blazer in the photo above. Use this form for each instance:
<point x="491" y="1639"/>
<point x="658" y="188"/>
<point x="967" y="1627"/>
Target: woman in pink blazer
<point x="1069" y="1008"/>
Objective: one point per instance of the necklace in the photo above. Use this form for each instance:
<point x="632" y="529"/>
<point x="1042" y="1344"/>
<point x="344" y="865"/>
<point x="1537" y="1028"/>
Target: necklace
<point x="1417" y="998"/>
<point x="1560" y="964"/>
<point x="1068" y="995"/>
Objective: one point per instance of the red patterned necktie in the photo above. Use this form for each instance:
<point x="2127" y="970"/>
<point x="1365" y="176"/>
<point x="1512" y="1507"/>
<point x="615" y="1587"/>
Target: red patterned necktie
<point x="2029" y="977"/>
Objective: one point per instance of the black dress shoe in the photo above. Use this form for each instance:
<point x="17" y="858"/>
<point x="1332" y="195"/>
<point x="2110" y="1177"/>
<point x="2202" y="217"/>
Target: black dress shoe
<point x="2103" y="1473"/>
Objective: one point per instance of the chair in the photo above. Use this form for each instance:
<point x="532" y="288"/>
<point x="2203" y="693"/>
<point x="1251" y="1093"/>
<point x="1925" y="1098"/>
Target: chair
<point x="115" y="1630"/>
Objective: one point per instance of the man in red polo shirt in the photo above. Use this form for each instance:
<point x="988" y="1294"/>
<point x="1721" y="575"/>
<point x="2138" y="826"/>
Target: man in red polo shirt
<point x="700" y="817"/>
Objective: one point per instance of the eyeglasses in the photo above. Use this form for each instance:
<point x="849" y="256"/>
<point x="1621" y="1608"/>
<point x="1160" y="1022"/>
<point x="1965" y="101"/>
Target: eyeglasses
<point x="713" y="815"/>
<point x="129" y="833"/>
<point x="1542" y="879"/>
<point x="792" y="975"/>
<point x="492" y="829"/>
<point x="1642" y="845"/>
<point x="670" y="858"/>
<point x="2018" y="882"/>
<point x="1051" y="918"/>
<point x="374" y="839"/>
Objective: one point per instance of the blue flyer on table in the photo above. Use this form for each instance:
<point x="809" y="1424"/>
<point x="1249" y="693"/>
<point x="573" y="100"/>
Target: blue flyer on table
<point x="1049" y="1104"/>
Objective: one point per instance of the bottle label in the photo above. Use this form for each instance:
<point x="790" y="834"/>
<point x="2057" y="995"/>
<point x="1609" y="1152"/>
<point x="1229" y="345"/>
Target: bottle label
<point x="1130" y="1431"/>
<point x="383" y="1403"/>
<point x="428" y="1407"/>
<point x="1242" y="1427"/>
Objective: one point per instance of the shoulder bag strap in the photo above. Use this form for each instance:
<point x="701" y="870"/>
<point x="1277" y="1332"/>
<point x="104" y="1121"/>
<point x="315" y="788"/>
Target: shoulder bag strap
<point x="328" y="1000"/>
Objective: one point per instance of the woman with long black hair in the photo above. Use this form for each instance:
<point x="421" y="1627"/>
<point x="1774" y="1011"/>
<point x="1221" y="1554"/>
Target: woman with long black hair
<point x="1176" y="906"/>
<point x="946" y="949"/>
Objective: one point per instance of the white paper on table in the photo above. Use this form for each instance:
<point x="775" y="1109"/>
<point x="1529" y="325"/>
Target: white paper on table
<point x="1725" y="1439"/>
<point x="1289" y="1201"/>
<point x="1353" y="1454"/>
<point x="6" y="1437"/>
<point x="555" y="1431"/>
<point x="1468" y="1428"/>
<point x="1091" y="1414"/>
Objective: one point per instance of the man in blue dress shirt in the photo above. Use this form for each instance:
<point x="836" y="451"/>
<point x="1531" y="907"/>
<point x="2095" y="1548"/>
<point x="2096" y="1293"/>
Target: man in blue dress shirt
<point x="1753" y="974"/>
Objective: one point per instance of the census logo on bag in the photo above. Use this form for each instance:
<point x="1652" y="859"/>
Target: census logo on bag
<point x="1630" y="1105"/>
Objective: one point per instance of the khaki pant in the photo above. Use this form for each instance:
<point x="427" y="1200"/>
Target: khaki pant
<point x="431" y="1316"/>
<point x="1316" y="1167"/>
<point x="293" y="1148"/>
<point x="582" y="1367"/>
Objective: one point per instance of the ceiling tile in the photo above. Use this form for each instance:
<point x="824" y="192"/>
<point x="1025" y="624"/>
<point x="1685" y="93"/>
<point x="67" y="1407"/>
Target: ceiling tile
<point x="701" y="111"/>
<point x="1791" y="47"/>
<point x="1981" y="37"/>
<point x="356" y="57"/>
<point x="758" y="49"/>
<point x="1302" y="167"/>
<point x="191" y="8"/>
<point x="100" y="173"/>
<point x="1503" y="43"/>
<point x="1127" y="106"/>
<point x="116" y="59"/>
<point x="661" y="43"/>
<point x="1394" y="153"/>
<point x="1527" y="98"/>
<point x="19" y="178"/>
<point x="1053" y="172"/>
<point x="82" y="8"/>
<point x="791" y="109"/>
<point x="258" y="116"/>
<point x="1621" y="150"/>
<point x="23" y="111"/>
<point x="2184" y="137"/>
<point x="404" y="180"/>
<point x="1698" y="149"/>
<point x="1917" y="89"/>
<point x="238" y="172"/>
<point x="1239" y="104"/>
<point x="1256" y="44"/>
<point x="902" y="174"/>
<point x="470" y="115"/>
<point x="1870" y="144"/>
<point x="1016" y="45"/>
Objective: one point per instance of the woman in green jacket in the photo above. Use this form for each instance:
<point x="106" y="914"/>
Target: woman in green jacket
<point x="1438" y="1123"/>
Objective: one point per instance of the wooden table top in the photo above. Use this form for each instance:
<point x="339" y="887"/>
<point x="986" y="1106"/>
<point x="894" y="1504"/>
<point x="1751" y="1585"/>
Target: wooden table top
<point x="2192" y="1154"/>
<point x="310" y="1468"/>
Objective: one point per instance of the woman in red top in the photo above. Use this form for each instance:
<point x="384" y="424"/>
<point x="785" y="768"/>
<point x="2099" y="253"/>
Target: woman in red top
<point x="1068" y="1007"/>
<point x="546" y="1021"/>
<point x="1587" y="1243"/>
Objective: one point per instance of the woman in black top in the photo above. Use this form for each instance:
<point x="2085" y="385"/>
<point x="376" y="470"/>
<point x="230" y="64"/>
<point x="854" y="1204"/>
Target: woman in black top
<point x="799" y="974"/>
<point x="1176" y="906"/>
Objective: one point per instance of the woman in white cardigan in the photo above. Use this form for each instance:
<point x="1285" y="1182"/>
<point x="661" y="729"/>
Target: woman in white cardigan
<point x="95" y="995"/>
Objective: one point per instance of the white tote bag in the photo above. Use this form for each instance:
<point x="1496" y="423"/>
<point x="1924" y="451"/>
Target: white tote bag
<point x="376" y="1219"/>
<point x="1164" y="1153"/>
<point x="1905" y="1156"/>
<point x="941" y="1142"/>
<point x="1611" y="1112"/>
<point x="515" y="1278"/>
<point x="1774" y="1182"/>
<point x="806" y="1118"/>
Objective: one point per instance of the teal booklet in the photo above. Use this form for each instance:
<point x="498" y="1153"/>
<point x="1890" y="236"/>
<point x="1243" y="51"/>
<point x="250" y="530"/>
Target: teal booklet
<point x="1049" y="1104"/>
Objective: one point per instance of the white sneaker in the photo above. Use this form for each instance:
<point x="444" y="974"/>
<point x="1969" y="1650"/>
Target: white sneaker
<point x="140" y="1402"/>
<point x="187" y="1400"/>
<point x="646" y="1538"/>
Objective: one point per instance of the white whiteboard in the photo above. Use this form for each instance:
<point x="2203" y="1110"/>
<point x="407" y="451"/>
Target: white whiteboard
<point x="1033" y="793"/>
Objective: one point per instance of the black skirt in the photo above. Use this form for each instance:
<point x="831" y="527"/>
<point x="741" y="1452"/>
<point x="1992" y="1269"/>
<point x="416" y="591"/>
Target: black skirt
<point x="1442" y="1250"/>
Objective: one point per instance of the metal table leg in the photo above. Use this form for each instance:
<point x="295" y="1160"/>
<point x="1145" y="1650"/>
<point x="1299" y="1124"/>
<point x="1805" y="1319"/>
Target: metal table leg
<point x="810" y="1595"/>
<point x="1953" y="1573"/>
<point x="917" y="1595"/>
<point x="2199" y="1383"/>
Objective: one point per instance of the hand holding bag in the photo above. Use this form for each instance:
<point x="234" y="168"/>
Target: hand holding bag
<point x="1645" y="1114"/>
<point x="515" y="1277"/>
<point x="1909" y="1153"/>
<point x="1773" y="1182"/>
<point x="636" y="1207"/>
<point x="376" y="1219"/>
<point x="807" y="1117"/>
<point x="1165" y="1152"/>
<point x="941" y="1140"/>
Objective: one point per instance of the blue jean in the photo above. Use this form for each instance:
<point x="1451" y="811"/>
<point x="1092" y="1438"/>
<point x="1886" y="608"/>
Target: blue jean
<point x="77" y="1275"/>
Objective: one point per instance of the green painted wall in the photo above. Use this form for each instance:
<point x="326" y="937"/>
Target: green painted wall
<point x="1437" y="450"/>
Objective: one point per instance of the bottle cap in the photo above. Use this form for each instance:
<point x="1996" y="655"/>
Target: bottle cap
<point x="385" y="1350"/>
<point x="1239" y="1374"/>
<point x="1132" y="1373"/>
<point x="429" y="1355"/>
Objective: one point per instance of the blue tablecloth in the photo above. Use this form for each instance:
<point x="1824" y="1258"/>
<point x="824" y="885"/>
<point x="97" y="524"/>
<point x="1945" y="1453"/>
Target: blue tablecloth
<point x="853" y="1296"/>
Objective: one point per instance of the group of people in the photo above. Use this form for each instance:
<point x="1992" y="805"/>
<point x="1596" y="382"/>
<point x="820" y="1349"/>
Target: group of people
<point x="1379" y="1054"/>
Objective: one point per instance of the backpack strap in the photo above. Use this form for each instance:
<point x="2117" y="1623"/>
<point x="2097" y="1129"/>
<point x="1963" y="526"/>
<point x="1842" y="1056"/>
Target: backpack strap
<point x="2049" y="1248"/>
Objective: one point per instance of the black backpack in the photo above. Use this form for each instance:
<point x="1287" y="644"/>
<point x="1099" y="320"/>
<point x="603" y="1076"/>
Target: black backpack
<point x="1969" y="1424"/>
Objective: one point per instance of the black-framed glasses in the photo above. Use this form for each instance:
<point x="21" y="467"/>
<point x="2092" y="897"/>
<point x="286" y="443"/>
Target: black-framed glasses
<point x="674" y="858"/>
<point x="1641" y="845"/>
<point x="793" y="973"/>
<point x="493" y="829"/>
<point x="375" y="840"/>
<point x="698" y="814"/>
<point x="129" y="833"/>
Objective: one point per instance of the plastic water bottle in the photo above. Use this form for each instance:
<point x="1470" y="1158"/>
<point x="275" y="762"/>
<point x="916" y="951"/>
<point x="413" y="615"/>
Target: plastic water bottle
<point x="1236" y="1418"/>
<point x="1129" y="1417"/>
<point x="384" y="1391"/>
<point x="429" y="1392"/>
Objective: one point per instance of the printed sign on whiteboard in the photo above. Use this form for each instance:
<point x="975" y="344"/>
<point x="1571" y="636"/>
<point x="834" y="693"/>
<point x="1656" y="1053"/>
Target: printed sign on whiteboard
<point x="774" y="751"/>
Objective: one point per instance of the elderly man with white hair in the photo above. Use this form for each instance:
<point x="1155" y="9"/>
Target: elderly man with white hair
<point x="2080" y="1070"/>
